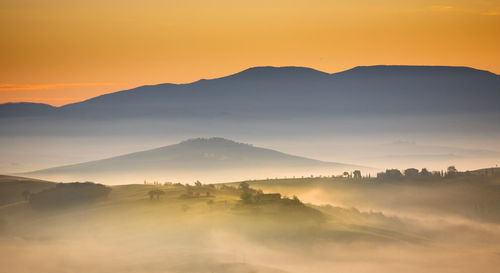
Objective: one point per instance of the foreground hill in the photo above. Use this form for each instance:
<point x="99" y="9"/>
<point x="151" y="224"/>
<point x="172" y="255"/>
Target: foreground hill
<point x="208" y="228"/>
<point x="211" y="160"/>
<point x="130" y="208"/>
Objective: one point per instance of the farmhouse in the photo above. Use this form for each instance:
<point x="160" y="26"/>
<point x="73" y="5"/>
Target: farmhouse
<point x="269" y="197"/>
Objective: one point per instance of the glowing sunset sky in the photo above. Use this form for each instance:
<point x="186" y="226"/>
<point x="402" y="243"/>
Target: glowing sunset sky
<point x="61" y="51"/>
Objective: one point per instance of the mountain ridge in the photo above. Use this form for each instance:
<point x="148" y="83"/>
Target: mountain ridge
<point x="273" y="73"/>
<point x="416" y="68"/>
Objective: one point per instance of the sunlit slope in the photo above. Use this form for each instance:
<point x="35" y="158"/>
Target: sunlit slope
<point x="467" y="198"/>
<point x="209" y="160"/>
<point x="186" y="230"/>
<point x="130" y="211"/>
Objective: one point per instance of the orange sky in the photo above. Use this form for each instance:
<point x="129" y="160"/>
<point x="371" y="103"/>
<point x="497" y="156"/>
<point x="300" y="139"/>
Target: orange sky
<point x="61" y="51"/>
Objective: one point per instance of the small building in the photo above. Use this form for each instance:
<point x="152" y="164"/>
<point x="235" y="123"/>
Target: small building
<point x="269" y="197"/>
<point x="390" y="174"/>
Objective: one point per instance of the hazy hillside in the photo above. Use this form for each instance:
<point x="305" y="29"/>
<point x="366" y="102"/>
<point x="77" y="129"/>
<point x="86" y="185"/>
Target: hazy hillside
<point x="213" y="159"/>
<point x="471" y="197"/>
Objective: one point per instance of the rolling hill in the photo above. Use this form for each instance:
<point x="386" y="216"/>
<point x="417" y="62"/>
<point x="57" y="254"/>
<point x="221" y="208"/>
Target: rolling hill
<point x="208" y="160"/>
<point x="177" y="234"/>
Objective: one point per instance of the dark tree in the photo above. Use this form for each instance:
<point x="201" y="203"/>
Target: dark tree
<point x="244" y="186"/>
<point x="159" y="193"/>
<point x="246" y="197"/>
<point x="424" y="172"/>
<point x="451" y="171"/>
<point x="156" y="193"/>
<point x="297" y="201"/>
<point x="26" y="195"/>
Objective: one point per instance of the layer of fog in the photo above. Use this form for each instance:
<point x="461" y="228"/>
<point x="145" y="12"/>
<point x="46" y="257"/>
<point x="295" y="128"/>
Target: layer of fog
<point x="226" y="251"/>
<point x="189" y="177"/>
<point x="471" y="141"/>
<point x="230" y="253"/>
<point x="151" y="236"/>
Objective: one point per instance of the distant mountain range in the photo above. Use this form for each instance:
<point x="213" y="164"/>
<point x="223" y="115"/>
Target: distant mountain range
<point x="205" y="159"/>
<point x="272" y="105"/>
<point x="291" y="92"/>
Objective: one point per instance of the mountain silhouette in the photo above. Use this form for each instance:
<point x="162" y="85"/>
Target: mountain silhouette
<point x="297" y="91"/>
<point x="25" y="109"/>
<point x="208" y="159"/>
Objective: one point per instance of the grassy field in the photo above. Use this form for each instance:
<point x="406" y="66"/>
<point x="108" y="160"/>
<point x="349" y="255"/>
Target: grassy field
<point x="208" y="228"/>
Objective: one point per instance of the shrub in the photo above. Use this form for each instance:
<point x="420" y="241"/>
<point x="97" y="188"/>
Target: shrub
<point x="246" y="197"/>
